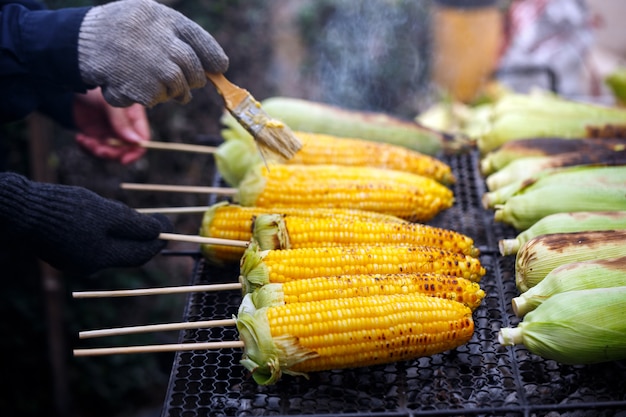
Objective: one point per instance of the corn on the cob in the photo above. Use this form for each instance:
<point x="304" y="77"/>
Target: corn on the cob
<point x="276" y="266"/>
<point x="325" y="288"/>
<point x="231" y="221"/>
<point x="322" y="149"/>
<point x="575" y="327"/>
<point x="520" y="116"/>
<point x="523" y="168"/>
<point x="540" y="147"/>
<point x="584" y="275"/>
<point x="275" y="231"/>
<point x="580" y="221"/>
<point x="308" y="116"/>
<point x="590" y="177"/>
<point x="544" y="253"/>
<point x="408" y="196"/>
<point x="351" y="332"/>
<point x="567" y="190"/>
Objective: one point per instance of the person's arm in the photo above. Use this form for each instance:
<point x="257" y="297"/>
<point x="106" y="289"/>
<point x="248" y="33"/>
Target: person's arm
<point x="39" y="60"/>
<point x="74" y="229"/>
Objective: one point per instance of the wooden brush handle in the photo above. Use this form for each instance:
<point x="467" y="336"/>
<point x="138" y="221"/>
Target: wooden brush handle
<point x="232" y="94"/>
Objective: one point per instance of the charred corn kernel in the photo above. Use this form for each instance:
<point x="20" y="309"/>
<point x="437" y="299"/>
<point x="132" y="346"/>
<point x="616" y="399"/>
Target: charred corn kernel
<point x="262" y="267"/>
<point x="351" y="332"/>
<point x="574" y="327"/>
<point x="544" y="253"/>
<point x="584" y="275"/>
<point x="275" y="231"/>
<point x="232" y="221"/>
<point x="322" y="149"/>
<point x="408" y="196"/>
<point x="322" y="288"/>
<point x="580" y="221"/>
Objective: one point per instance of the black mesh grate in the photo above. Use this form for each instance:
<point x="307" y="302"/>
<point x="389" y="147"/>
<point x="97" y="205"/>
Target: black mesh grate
<point x="479" y="378"/>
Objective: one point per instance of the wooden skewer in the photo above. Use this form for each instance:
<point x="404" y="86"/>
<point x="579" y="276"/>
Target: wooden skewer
<point x="179" y="188"/>
<point x="157" y="291"/>
<point x="159" y="348"/>
<point x="173" y="210"/>
<point x="204" y="240"/>
<point x="168" y="146"/>
<point x="155" y="328"/>
<point x="175" y="146"/>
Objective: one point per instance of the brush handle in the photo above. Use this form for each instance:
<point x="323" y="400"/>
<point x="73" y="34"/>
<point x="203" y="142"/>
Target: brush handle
<point x="232" y="94"/>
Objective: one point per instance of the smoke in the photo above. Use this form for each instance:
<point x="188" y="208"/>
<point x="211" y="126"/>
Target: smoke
<point x="373" y="55"/>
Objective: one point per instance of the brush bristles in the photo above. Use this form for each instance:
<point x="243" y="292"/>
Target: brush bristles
<point x="270" y="134"/>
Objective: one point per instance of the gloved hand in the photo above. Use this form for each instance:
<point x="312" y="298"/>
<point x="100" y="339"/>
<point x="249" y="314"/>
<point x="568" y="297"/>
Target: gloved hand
<point x="76" y="230"/>
<point x="140" y="51"/>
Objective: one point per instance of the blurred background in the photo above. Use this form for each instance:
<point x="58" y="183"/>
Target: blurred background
<point x="393" y="56"/>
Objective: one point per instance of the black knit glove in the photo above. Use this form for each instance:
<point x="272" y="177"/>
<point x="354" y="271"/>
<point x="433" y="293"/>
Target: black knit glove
<point x="140" y="51"/>
<point x="74" y="229"/>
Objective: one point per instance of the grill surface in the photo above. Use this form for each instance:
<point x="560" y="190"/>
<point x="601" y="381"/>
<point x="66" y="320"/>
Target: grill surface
<point x="479" y="378"/>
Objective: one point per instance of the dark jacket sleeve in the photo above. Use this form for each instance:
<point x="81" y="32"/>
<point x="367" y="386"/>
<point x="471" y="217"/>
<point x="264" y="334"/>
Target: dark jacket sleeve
<point x="39" y="60"/>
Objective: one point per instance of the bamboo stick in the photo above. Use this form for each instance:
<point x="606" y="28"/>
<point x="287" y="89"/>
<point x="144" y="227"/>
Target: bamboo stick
<point x="117" y="331"/>
<point x="173" y="210"/>
<point x="204" y="240"/>
<point x="175" y="146"/>
<point x="157" y="291"/>
<point x="179" y="188"/>
<point x="176" y="347"/>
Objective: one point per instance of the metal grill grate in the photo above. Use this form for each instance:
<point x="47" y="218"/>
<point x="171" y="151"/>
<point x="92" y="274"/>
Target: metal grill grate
<point x="480" y="378"/>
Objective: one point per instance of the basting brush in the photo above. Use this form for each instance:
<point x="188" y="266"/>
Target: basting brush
<point x="270" y="134"/>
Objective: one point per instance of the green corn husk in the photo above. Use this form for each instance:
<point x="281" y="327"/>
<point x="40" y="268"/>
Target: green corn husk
<point x="540" y="255"/>
<point x="584" y="275"/>
<point x="575" y="327"/>
<point x="534" y="147"/>
<point x="309" y="116"/>
<point x="523" y="116"/>
<point x="565" y="223"/>
<point x="524" y="168"/>
<point x="564" y="190"/>
<point x="233" y="159"/>
<point x="583" y="176"/>
<point x="266" y="358"/>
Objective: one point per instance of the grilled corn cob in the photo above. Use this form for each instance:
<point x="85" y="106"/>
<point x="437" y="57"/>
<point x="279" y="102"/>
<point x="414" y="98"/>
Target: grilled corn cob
<point x="351" y="332"/>
<point x="520" y="116"/>
<point x="408" y="196"/>
<point x="541" y="147"/>
<point x="315" y="117"/>
<point x="567" y="190"/>
<point x="544" y="253"/>
<point x="523" y="168"/>
<point x="322" y="149"/>
<point x="565" y="223"/>
<point x="324" y="288"/>
<point x="584" y="275"/>
<point x="575" y="327"/>
<point x="276" y="231"/>
<point x="232" y="221"/>
<point x="276" y="266"/>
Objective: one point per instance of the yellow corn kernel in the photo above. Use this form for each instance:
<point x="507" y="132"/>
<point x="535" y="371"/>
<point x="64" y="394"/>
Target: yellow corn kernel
<point x="315" y="289"/>
<point x="402" y="194"/>
<point x="320" y="149"/>
<point x="276" y="266"/>
<point x="274" y="231"/>
<point x="348" y="332"/>
<point x="232" y="221"/>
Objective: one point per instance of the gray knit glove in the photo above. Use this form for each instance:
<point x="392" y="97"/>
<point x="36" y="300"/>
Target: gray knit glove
<point x="140" y="51"/>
